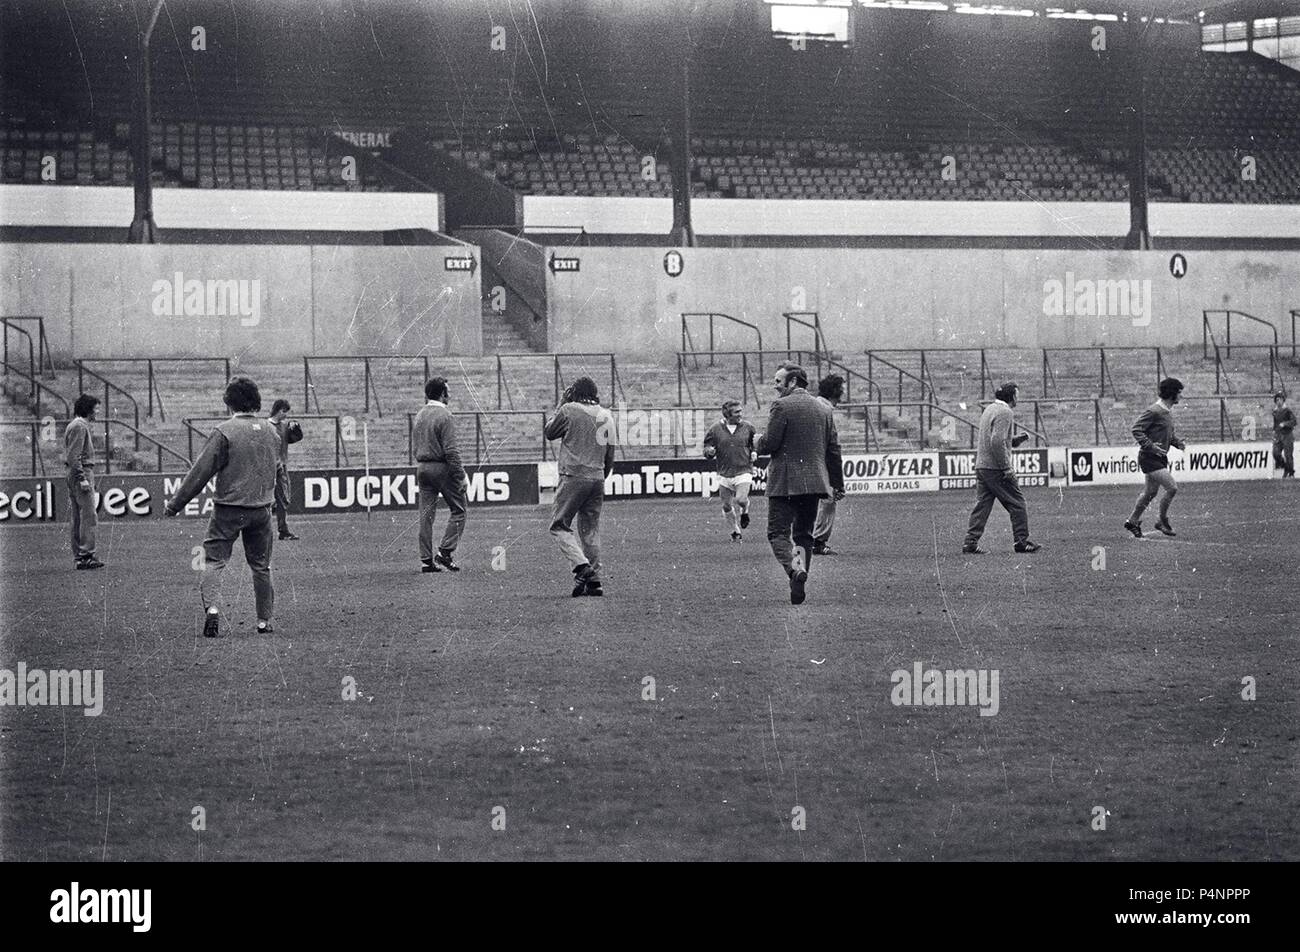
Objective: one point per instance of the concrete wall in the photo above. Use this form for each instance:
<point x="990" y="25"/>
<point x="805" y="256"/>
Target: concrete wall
<point x="623" y="300"/>
<point x="811" y="217"/>
<point x="103" y="300"/>
<point x="218" y="209"/>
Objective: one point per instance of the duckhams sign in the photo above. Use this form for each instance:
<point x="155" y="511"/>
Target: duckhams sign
<point x="135" y="496"/>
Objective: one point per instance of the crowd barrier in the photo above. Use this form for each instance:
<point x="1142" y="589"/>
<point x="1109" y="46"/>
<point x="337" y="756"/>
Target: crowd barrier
<point x="134" y="496"/>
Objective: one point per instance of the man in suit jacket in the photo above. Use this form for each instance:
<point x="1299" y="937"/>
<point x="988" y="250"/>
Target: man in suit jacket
<point x="805" y="469"/>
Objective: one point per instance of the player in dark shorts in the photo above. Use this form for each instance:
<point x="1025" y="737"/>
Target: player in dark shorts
<point x="1154" y="432"/>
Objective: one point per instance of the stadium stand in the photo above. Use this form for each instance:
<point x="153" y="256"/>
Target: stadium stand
<point x="184" y="155"/>
<point x="1044" y="119"/>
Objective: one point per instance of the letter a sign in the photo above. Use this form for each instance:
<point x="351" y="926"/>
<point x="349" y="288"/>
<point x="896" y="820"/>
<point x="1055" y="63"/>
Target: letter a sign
<point x="1178" y="266"/>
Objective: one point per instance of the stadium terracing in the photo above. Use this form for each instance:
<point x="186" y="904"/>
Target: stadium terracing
<point x="571" y="141"/>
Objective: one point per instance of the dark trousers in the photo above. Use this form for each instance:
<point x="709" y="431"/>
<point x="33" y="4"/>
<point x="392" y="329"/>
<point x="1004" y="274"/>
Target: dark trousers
<point x="435" y="480"/>
<point x="227" y="524"/>
<point x="82" y="521"/>
<point x="1284" y="453"/>
<point x="787" y="516"/>
<point x="282" y="499"/>
<point x="994" y="485"/>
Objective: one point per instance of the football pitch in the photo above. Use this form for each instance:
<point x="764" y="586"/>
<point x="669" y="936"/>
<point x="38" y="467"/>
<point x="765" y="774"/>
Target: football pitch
<point x="496" y="717"/>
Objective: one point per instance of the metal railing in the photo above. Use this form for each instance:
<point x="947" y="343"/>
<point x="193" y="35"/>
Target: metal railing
<point x="1207" y="333"/>
<point x="1293" y="313"/>
<point x="748" y="358"/>
<point x="926" y="390"/>
<point x="109" y="389"/>
<point x="38" y="460"/>
<point x="309" y="390"/>
<point x="159" y="447"/>
<point x="557" y="372"/>
<point x="482" y="444"/>
<point x="33" y="439"/>
<point x="1101" y="435"/>
<point x="39" y="358"/>
<point x="340" y="443"/>
<point x="1276" y="378"/>
<point x="35" y="389"/>
<point x="799" y="318"/>
<point x="154" y="398"/>
<point x="688" y="344"/>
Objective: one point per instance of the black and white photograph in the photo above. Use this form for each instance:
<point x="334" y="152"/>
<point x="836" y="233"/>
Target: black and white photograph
<point x="650" y="431"/>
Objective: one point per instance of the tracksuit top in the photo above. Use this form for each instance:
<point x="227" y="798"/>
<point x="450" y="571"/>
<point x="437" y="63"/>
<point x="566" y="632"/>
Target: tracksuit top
<point x="1155" y="428"/>
<point x="994" y="448"/>
<point x="588" y="433"/>
<point x="79" y="448"/>
<point x="1284" y="422"/>
<point x="243" y="453"/>
<point x="733" y="448"/>
<point x="433" y="439"/>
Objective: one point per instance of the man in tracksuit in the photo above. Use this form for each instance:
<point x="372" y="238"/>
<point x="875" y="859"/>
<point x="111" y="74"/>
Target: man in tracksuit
<point x="243" y="454"/>
<point x="730" y="441"/>
<point x="1154" y="432"/>
<point x="79" y="454"/>
<point x="1283" y="435"/>
<point x="995" y="474"/>
<point x="586" y="457"/>
<point x="439" y="472"/>
<point x="289" y="432"/>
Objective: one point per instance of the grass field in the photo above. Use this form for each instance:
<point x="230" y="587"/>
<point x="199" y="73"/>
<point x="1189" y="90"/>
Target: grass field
<point x="1119" y="688"/>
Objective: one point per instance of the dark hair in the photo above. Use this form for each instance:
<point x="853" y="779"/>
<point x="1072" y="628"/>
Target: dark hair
<point x="1007" y="392"/>
<point x="584" y="391"/>
<point x="1280" y="395"/>
<point x="796" y="373"/>
<point x="281" y="404"/>
<point x="85" y="405"/>
<point x="1170" y="387"/>
<point x="831" y="386"/>
<point x="242" y="395"/>
<point x="436" y="389"/>
<point x="728" y="404"/>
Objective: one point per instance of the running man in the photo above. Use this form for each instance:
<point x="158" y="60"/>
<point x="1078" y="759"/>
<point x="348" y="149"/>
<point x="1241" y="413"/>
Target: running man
<point x="1154" y="432"/>
<point x="731" y="442"/>
<point x="243" y="454"/>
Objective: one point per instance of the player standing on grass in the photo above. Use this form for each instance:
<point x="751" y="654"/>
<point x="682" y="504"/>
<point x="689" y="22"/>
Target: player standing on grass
<point x="439" y="471"/>
<point x="586" y="457"/>
<point x="1154" y="432"/>
<point x="243" y="453"/>
<point x="79" y="454"/>
<point x="1283" y="435"/>
<point x="731" y="442"/>
<point x="289" y="432"/>
<point x="806" y="467"/>
<point x="995" y="474"/>
<point x="830" y="392"/>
